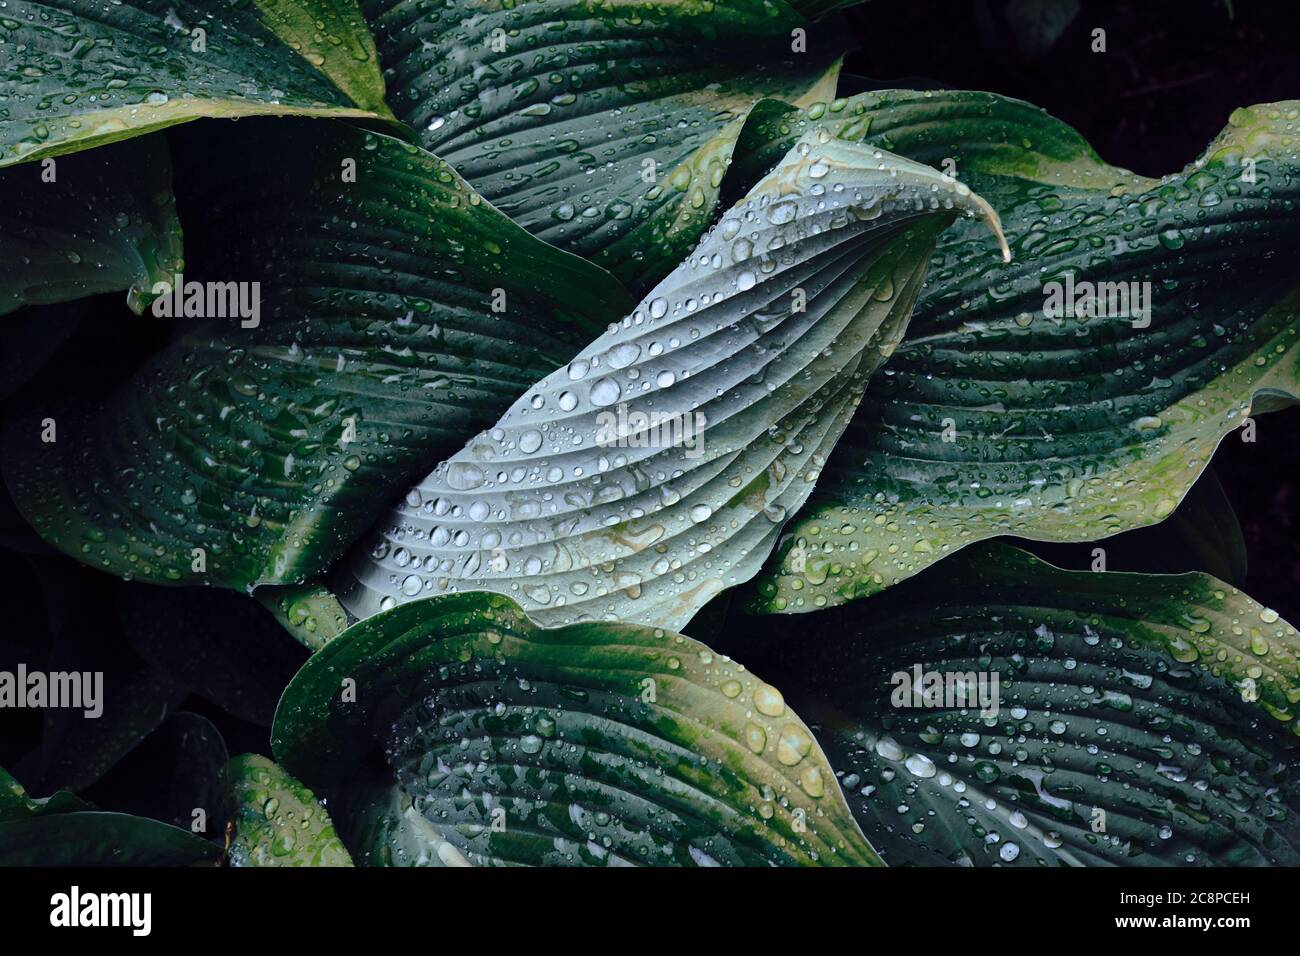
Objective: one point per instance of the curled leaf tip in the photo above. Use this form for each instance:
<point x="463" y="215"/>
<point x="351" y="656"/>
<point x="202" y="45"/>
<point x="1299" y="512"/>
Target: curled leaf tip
<point x="990" y="217"/>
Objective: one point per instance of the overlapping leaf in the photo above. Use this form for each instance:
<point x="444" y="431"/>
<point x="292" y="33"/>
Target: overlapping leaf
<point x="1203" y="534"/>
<point x="379" y="347"/>
<point x="63" y="831"/>
<point x="604" y="128"/>
<point x="657" y="468"/>
<point x="96" y="222"/>
<point x="1136" y="719"/>
<point x="276" y="821"/>
<point x="81" y="73"/>
<point x="17" y="804"/>
<point x="995" y="418"/>
<point x="593" y="744"/>
<point x="176" y="775"/>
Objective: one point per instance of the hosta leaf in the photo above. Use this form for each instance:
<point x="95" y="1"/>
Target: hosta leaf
<point x="99" y="838"/>
<point x="309" y="612"/>
<point x="1141" y="719"/>
<point x="83" y="73"/>
<point x="1202" y="535"/>
<point x="594" y="744"/>
<point x="381" y="825"/>
<point x="16" y="804"/>
<point x="332" y="36"/>
<point x="994" y="418"/>
<point x="63" y="830"/>
<point x="176" y="775"/>
<point x="277" y="821"/>
<point x="582" y="506"/>
<point x="378" y="351"/>
<point x="604" y="128"/>
<point x="106" y="222"/>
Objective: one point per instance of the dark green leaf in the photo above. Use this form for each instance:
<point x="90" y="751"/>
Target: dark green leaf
<point x="106" y="222"/>
<point x="123" y="698"/>
<point x="95" y="838"/>
<point x="63" y="830"/>
<point x="1140" y="719"/>
<point x="593" y="744"/>
<point x="603" y="128"/>
<point x="994" y="418"/>
<point x="176" y="775"/>
<point x="223" y="646"/>
<point x="15" y="804"/>
<point x="377" y="351"/>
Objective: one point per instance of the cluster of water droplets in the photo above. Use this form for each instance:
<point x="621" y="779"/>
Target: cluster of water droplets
<point x="1102" y="748"/>
<point x="489" y="745"/>
<point x="100" y="71"/>
<point x="607" y="133"/>
<point x="278" y="822"/>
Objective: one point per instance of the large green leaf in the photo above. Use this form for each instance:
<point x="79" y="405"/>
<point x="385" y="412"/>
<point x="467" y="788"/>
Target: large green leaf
<point x="1140" y="719"/>
<point x="276" y="821"/>
<point x="594" y="744"/>
<point x="106" y="222"/>
<point x="378" y="351"/>
<point x="81" y="73"/>
<point x="579" y="514"/>
<point x="603" y="127"/>
<point x="993" y="418"/>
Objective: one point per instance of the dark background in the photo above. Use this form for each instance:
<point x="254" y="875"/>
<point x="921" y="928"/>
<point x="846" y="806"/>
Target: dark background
<point x="1172" y="73"/>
